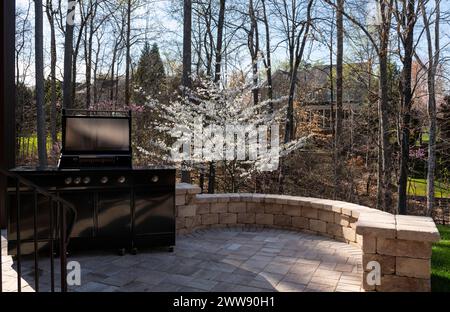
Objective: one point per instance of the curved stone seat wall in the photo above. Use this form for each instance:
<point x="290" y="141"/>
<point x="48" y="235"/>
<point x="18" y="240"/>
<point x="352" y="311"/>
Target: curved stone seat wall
<point x="400" y="244"/>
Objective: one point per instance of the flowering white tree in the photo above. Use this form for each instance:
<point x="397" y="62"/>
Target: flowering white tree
<point x="218" y="124"/>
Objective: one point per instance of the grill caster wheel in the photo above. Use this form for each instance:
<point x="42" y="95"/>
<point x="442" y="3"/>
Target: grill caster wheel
<point x="171" y="249"/>
<point x="121" y="252"/>
<point x="134" y="251"/>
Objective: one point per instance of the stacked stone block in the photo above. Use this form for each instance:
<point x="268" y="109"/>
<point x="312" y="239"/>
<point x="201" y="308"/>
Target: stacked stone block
<point x="402" y="246"/>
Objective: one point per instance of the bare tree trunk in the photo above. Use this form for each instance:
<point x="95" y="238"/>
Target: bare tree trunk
<point x="253" y="45"/>
<point x="296" y="45"/>
<point x="199" y="50"/>
<point x="379" y="204"/>
<point x="88" y="52"/>
<point x="268" y="58"/>
<point x="116" y="86"/>
<point x="384" y="133"/>
<point x="53" y="56"/>
<point x="217" y="75"/>
<point x="208" y="40"/>
<point x="187" y="63"/>
<point x="39" y="59"/>
<point x="84" y="17"/>
<point x="74" y="73"/>
<point x="97" y="56"/>
<point x="296" y="58"/>
<point x="331" y="75"/>
<point x="433" y="61"/>
<point x="431" y="164"/>
<point x="127" y="57"/>
<point x="339" y="99"/>
<point x="408" y="21"/>
<point x="113" y="64"/>
<point x="68" y="50"/>
<point x="385" y="171"/>
<point x="219" y="42"/>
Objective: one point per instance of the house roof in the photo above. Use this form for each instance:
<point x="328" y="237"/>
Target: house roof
<point x="313" y="83"/>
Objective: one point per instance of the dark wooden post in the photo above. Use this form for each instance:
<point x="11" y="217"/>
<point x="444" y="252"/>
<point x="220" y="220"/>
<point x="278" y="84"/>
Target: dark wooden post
<point x="7" y="97"/>
<point x="187" y="68"/>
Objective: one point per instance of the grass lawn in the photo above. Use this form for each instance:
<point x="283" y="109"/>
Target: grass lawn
<point x="29" y="144"/>
<point x="425" y="137"/>
<point x="418" y="187"/>
<point x="440" y="262"/>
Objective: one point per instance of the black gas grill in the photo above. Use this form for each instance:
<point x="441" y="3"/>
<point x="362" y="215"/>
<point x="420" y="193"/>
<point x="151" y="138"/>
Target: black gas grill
<point x="95" y="139"/>
<point x="118" y="206"/>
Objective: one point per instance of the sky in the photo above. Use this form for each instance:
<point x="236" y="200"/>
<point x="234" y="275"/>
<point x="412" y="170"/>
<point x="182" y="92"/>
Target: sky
<point x="156" y="14"/>
<point x="169" y="40"/>
<point x="170" y="37"/>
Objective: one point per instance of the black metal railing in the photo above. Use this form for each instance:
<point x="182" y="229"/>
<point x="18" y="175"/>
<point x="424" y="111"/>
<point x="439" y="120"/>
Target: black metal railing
<point x="59" y="231"/>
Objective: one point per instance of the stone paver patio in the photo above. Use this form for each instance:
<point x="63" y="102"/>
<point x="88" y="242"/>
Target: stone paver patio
<point x="228" y="259"/>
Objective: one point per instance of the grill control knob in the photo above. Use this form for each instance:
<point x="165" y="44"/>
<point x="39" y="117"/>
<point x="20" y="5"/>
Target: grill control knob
<point x="68" y="180"/>
<point x="86" y="180"/>
<point x="77" y="180"/>
<point x="155" y="179"/>
<point x="121" y="179"/>
<point x="104" y="180"/>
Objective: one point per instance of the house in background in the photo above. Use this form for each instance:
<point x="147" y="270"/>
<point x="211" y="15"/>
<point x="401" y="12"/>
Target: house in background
<point x="317" y="95"/>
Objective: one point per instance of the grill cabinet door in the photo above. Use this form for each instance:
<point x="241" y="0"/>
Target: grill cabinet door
<point x="154" y="211"/>
<point x="114" y="213"/>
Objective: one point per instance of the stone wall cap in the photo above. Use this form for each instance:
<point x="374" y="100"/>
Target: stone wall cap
<point x="222" y="198"/>
<point x="275" y="199"/>
<point x="186" y="188"/>
<point x="417" y="229"/>
<point x="417" y="234"/>
<point x="324" y="204"/>
<point x="206" y="198"/>
<point x="376" y="217"/>
<point x="414" y="219"/>
<point x="343" y="207"/>
<point x="246" y="196"/>
<point x="370" y="222"/>
<point x="376" y="228"/>
<point x="304" y="201"/>
<point x="258" y="198"/>
<point x="234" y="197"/>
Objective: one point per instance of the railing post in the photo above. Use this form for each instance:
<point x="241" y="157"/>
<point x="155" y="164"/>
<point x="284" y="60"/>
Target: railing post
<point x="62" y="250"/>
<point x="52" y="257"/>
<point x="1" y="267"/>
<point x="18" y="240"/>
<point x="36" y="257"/>
<point x="59" y="219"/>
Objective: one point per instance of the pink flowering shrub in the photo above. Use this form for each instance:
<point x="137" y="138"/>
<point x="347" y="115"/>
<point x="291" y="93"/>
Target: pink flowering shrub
<point x="417" y="153"/>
